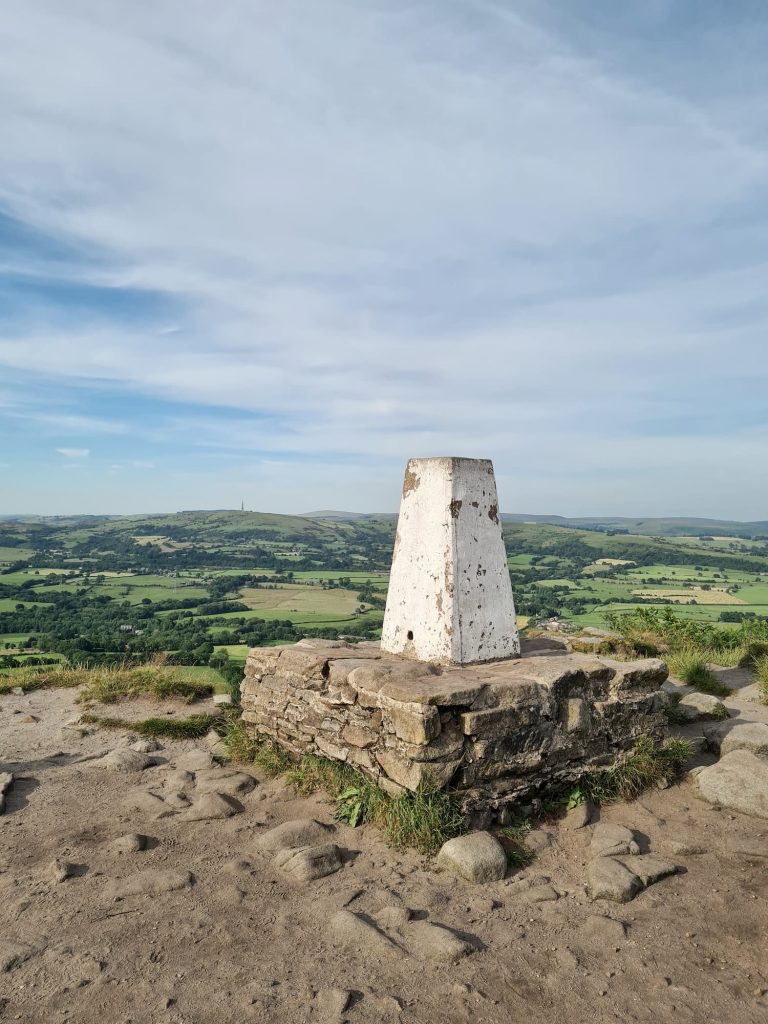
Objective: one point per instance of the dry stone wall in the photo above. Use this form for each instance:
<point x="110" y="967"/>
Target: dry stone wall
<point x="498" y="732"/>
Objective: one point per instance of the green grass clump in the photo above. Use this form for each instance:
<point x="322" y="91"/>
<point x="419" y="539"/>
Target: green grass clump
<point x="645" y="766"/>
<point x="752" y="653"/>
<point x="761" y="672"/>
<point x="692" y="668"/>
<point x="174" y="728"/>
<point x="52" y="677"/>
<point x="109" y="685"/>
<point x="512" y="838"/>
<point x="241" y="747"/>
<point x="423" y="820"/>
<point x="272" y="759"/>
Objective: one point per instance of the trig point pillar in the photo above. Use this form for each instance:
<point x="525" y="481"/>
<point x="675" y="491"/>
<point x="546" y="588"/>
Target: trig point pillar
<point x="450" y="596"/>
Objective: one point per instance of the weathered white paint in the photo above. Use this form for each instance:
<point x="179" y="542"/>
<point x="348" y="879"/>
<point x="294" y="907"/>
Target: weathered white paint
<point x="450" y="596"/>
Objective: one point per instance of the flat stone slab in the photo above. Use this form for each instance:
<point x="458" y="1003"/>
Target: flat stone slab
<point x="477" y="857"/>
<point x="124" y="760"/>
<point x="292" y="835"/>
<point x="310" y="862"/>
<point x="702" y="706"/>
<point x="609" y="840"/>
<point x="735" y="735"/>
<point x="609" y="879"/>
<point x="739" y="782"/>
<point x="151" y="882"/>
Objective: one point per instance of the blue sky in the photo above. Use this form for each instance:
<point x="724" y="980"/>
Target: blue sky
<point x="266" y="252"/>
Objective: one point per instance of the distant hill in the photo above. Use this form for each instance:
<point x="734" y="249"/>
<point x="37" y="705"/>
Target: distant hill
<point x="672" y="526"/>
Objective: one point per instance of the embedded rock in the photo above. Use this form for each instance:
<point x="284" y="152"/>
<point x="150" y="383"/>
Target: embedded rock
<point x="734" y="735"/>
<point x="310" y="862"/>
<point x="211" y="807"/>
<point x="291" y="835"/>
<point x="435" y="942"/>
<point x="354" y="931"/>
<point x="609" y="840"/>
<point x="702" y="706"/>
<point x="477" y="857"/>
<point x="145" y="746"/>
<point x="609" y="879"/>
<point x="221" y="780"/>
<point x="134" y="842"/>
<point x="123" y="759"/>
<point x="649" y="868"/>
<point x="151" y="882"/>
<point x="194" y="760"/>
<point x="739" y="782"/>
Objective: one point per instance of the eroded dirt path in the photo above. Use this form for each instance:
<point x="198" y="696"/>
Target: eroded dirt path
<point x="238" y="942"/>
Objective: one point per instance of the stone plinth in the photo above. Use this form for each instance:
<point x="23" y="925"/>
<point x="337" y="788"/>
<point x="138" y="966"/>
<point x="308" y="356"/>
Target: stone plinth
<point x="497" y="732"/>
<point x="450" y="597"/>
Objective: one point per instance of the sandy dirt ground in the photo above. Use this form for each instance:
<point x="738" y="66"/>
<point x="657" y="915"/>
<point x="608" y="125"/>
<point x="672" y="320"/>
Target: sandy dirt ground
<point x="200" y="926"/>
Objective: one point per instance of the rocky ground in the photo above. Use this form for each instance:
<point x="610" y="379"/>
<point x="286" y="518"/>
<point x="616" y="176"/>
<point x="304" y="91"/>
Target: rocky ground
<point x="151" y="886"/>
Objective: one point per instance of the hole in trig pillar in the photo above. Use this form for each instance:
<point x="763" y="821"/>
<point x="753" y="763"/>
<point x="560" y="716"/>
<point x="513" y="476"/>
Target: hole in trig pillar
<point x="410" y="634"/>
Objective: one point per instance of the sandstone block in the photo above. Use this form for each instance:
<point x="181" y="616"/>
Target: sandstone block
<point x="300" y="832"/>
<point x="697" y="706"/>
<point x="577" y="715"/>
<point x="609" y="879"/>
<point x="739" y="781"/>
<point x="414" y="725"/>
<point x="310" y="862"/>
<point x="477" y="857"/>
<point x="735" y="735"/>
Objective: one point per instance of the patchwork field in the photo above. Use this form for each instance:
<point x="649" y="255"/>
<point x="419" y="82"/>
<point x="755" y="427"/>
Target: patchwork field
<point x="202" y="586"/>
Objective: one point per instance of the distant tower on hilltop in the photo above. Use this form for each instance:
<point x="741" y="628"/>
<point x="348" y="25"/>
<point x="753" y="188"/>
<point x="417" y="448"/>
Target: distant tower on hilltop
<point x="450" y="595"/>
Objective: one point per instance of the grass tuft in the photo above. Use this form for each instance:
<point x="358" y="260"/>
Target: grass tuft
<point x="272" y="759"/>
<point x="512" y="838"/>
<point x="109" y="684"/>
<point x="52" y="677"/>
<point x="761" y="672"/>
<point x="241" y="747"/>
<point x="423" y="820"/>
<point x="174" y="728"/>
<point x="645" y="766"/>
<point x="691" y="667"/>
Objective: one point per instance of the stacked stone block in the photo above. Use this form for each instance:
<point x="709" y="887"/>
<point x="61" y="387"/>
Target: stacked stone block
<point x="498" y="732"/>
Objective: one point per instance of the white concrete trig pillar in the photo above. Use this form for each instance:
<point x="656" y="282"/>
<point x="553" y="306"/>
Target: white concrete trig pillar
<point x="450" y="596"/>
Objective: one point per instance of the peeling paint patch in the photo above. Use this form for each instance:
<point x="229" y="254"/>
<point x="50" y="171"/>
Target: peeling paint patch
<point x="455" y="507"/>
<point x="411" y="481"/>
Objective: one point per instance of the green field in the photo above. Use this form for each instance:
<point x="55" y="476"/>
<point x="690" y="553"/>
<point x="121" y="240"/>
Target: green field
<point x="129" y="588"/>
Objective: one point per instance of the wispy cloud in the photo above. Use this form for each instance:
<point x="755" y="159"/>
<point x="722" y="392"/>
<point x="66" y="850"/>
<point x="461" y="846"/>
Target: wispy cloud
<point x="74" y="453"/>
<point x="353" y="232"/>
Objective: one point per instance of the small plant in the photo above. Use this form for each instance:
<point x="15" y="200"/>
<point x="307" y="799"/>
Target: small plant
<point x="575" y="799"/>
<point x="351" y="806"/>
